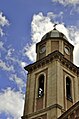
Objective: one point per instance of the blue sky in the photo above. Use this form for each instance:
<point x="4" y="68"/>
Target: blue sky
<point x="22" y="25"/>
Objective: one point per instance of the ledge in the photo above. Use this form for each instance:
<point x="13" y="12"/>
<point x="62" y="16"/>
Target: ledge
<point x="42" y="111"/>
<point x="56" y="55"/>
<point x="70" y="111"/>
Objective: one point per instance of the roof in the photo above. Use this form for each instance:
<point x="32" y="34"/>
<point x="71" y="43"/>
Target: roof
<point x="54" y="34"/>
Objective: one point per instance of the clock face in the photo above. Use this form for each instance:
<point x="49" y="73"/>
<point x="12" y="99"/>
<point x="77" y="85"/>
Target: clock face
<point x="42" y="49"/>
<point x="67" y="50"/>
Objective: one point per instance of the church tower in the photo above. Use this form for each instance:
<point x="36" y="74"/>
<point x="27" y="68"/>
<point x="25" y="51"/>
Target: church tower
<point x="52" y="81"/>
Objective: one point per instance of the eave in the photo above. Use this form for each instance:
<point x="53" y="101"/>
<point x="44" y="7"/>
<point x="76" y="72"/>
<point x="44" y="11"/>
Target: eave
<point x="56" y="55"/>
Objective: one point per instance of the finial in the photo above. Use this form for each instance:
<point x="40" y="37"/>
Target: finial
<point x="54" y="26"/>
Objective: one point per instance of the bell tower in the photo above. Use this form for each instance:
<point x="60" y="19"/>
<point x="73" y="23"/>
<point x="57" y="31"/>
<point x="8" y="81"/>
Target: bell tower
<point x="52" y="81"/>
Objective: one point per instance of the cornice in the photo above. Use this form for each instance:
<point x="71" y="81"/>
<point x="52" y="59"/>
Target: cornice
<point x="70" y="111"/>
<point x="42" y="111"/>
<point x="56" y="55"/>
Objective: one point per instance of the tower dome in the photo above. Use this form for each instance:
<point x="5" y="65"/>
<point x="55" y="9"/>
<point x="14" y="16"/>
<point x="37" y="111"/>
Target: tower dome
<point x="54" y="34"/>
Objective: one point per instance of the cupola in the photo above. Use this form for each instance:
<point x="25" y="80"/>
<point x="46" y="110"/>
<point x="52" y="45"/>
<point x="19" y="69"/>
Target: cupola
<point x="54" y="34"/>
<point x="52" y="41"/>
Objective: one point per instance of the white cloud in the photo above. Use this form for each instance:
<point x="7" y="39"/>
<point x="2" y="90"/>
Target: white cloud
<point x="23" y="64"/>
<point x="67" y="2"/>
<point x="2" y="46"/>
<point x="10" y="51"/>
<point x="12" y="102"/>
<point x="11" y="57"/>
<point x="3" y="22"/>
<point x="40" y="25"/>
<point x="1" y="32"/>
<point x="64" y="30"/>
<point x="6" y="67"/>
<point x="74" y="4"/>
<point x="30" y="51"/>
<point x="51" y="16"/>
<point x="74" y="35"/>
<point x="20" y="83"/>
<point x="76" y="54"/>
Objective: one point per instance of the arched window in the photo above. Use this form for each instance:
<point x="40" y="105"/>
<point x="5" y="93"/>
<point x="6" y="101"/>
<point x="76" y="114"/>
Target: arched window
<point x="68" y="88"/>
<point x="41" y="86"/>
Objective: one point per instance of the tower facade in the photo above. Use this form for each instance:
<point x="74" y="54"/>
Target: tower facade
<point x="52" y="81"/>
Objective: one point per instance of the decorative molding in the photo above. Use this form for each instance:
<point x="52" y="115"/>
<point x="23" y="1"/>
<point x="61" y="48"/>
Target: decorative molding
<point x="54" y="56"/>
<point x="70" y="111"/>
<point x="42" y="111"/>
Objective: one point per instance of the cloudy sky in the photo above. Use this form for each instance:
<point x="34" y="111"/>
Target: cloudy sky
<point x="22" y="25"/>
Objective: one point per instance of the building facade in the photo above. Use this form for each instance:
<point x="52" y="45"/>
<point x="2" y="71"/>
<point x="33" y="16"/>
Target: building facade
<point x="53" y="80"/>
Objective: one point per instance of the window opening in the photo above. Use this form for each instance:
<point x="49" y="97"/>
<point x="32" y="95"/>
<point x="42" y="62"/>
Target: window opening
<point x="68" y="88"/>
<point x="41" y="86"/>
<point x="39" y="117"/>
